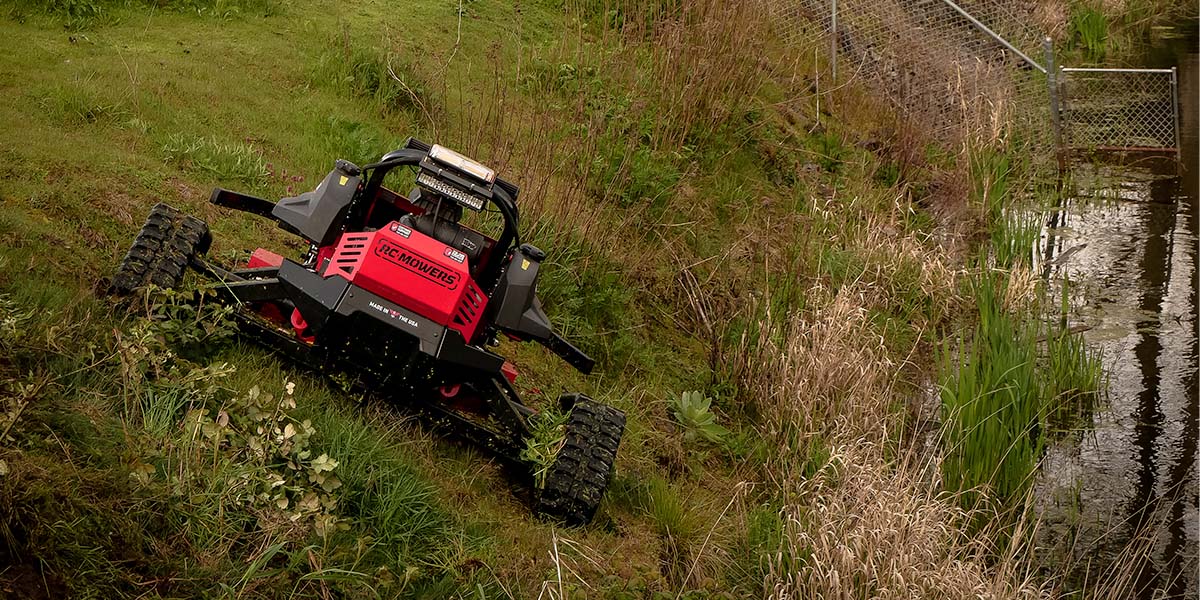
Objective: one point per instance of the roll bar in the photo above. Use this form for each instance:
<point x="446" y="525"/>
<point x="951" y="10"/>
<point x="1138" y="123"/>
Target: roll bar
<point x="504" y="196"/>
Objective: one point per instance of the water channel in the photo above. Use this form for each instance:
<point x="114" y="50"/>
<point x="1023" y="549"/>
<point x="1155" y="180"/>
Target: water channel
<point x="1126" y="477"/>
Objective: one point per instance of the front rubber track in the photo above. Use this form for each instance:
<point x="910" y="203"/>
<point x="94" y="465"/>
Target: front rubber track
<point x="580" y="475"/>
<point x="161" y="251"/>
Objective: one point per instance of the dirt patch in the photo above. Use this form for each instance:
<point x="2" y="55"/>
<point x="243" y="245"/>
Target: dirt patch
<point x="28" y="582"/>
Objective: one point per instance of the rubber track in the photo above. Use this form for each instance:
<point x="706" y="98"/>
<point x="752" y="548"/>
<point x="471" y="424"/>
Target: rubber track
<point x="161" y="251"/>
<point x="580" y="475"/>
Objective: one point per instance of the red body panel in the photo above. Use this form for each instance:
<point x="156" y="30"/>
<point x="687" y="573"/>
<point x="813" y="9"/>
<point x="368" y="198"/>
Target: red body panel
<point x="264" y="258"/>
<point x="415" y="271"/>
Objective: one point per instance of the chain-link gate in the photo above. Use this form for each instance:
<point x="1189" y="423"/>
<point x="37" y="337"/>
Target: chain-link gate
<point x="1119" y="109"/>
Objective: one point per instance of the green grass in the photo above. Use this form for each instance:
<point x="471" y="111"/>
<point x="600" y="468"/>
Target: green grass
<point x="1014" y="238"/>
<point x="1089" y="32"/>
<point x="991" y="169"/>
<point x="992" y="403"/>
<point x="235" y="162"/>
<point x="1007" y="388"/>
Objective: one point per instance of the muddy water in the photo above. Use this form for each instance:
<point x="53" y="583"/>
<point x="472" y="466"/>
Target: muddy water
<point x="1127" y="239"/>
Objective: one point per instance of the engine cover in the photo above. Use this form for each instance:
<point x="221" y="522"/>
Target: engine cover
<point x="415" y="271"/>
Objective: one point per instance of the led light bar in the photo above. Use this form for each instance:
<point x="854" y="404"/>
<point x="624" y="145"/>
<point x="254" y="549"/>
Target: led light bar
<point x="434" y="184"/>
<point x="457" y="161"/>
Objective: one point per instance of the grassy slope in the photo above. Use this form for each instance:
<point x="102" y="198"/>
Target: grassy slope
<point x="100" y="123"/>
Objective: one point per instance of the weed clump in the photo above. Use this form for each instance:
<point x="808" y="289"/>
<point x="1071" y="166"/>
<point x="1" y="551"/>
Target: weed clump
<point x="239" y="162"/>
<point x="1000" y="391"/>
<point x="547" y="432"/>
<point x="1088" y="32"/>
<point x="992" y="403"/>
<point x="870" y="529"/>
<point x="80" y="103"/>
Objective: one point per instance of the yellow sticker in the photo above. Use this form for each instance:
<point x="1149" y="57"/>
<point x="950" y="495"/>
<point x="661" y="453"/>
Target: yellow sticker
<point x="343" y="180"/>
<point x="524" y="264"/>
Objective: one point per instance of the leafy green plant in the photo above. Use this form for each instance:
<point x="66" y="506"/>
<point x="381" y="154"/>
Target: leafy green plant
<point x="257" y="428"/>
<point x="158" y="378"/>
<point x="187" y="320"/>
<point x="692" y="410"/>
<point x="547" y="431"/>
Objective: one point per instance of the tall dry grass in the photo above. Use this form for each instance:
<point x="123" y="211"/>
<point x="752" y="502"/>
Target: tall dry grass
<point x="868" y="527"/>
<point x="862" y="515"/>
<point x="821" y="377"/>
<point x="866" y="524"/>
<point x="869" y="523"/>
<point x="707" y="64"/>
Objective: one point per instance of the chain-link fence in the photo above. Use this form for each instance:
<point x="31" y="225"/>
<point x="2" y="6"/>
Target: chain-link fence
<point x="957" y="68"/>
<point x="952" y="69"/>
<point x="1119" y="109"/>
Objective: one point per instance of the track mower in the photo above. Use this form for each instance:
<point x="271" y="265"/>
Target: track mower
<point x="400" y="296"/>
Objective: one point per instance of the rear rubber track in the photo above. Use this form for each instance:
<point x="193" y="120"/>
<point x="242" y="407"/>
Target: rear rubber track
<point x="161" y="251"/>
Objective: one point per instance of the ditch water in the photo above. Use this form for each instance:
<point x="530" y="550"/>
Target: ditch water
<point x="1126" y="238"/>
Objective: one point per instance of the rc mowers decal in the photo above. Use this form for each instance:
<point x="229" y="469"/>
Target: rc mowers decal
<point x="401" y="257"/>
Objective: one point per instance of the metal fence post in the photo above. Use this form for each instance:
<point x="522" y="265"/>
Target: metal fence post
<point x="833" y="43"/>
<point x="1052" y="87"/>
<point x="1175" y="110"/>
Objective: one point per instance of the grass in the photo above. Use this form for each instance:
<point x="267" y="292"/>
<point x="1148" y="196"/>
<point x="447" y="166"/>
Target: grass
<point x="993" y="404"/>
<point x="1075" y="374"/>
<point x="710" y="225"/>
<point x="1089" y="32"/>
<point x="1014" y="238"/>
<point x="226" y="162"/>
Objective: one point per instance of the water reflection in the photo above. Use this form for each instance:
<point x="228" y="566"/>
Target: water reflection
<point x="1127" y="237"/>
